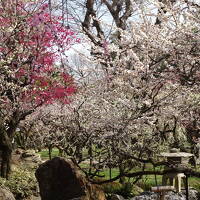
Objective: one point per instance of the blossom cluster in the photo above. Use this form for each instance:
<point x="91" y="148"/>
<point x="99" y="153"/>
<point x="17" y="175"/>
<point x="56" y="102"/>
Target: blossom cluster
<point x="33" y="43"/>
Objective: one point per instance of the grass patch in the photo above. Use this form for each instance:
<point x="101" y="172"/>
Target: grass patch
<point x="106" y="173"/>
<point x="45" y="153"/>
<point x="195" y="183"/>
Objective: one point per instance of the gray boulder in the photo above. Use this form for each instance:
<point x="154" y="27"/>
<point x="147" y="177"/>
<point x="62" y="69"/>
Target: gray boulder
<point x="5" y="194"/>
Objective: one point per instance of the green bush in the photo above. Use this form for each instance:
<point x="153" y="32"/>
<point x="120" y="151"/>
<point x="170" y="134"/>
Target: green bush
<point x="22" y="183"/>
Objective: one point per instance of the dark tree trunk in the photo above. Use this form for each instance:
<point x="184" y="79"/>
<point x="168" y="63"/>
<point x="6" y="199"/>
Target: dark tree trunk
<point x="6" y="148"/>
<point x="122" y="179"/>
<point x="90" y="153"/>
<point x="50" y="148"/>
<point x="6" y="162"/>
<point x="7" y="133"/>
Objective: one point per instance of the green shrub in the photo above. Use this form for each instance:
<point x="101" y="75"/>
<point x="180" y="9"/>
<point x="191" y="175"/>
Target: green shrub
<point x="148" y="181"/>
<point x="136" y="190"/>
<point x="22" y="183"/>
<point x="112" y="188"/>
<point x="126" y="190"/>
<point x="145" y="185"/>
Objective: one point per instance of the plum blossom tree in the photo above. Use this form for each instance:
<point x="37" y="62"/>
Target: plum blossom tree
<point x="148" y="92"/>
<point x="33" y="42"/>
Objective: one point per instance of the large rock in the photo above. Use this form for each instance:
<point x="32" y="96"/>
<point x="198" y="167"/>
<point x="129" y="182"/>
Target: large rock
<point x="5" y="194"/>
<point x="59" y="179"/>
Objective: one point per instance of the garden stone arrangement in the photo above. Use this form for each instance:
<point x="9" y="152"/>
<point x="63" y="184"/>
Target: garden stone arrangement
<point x="193" y="195"/>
